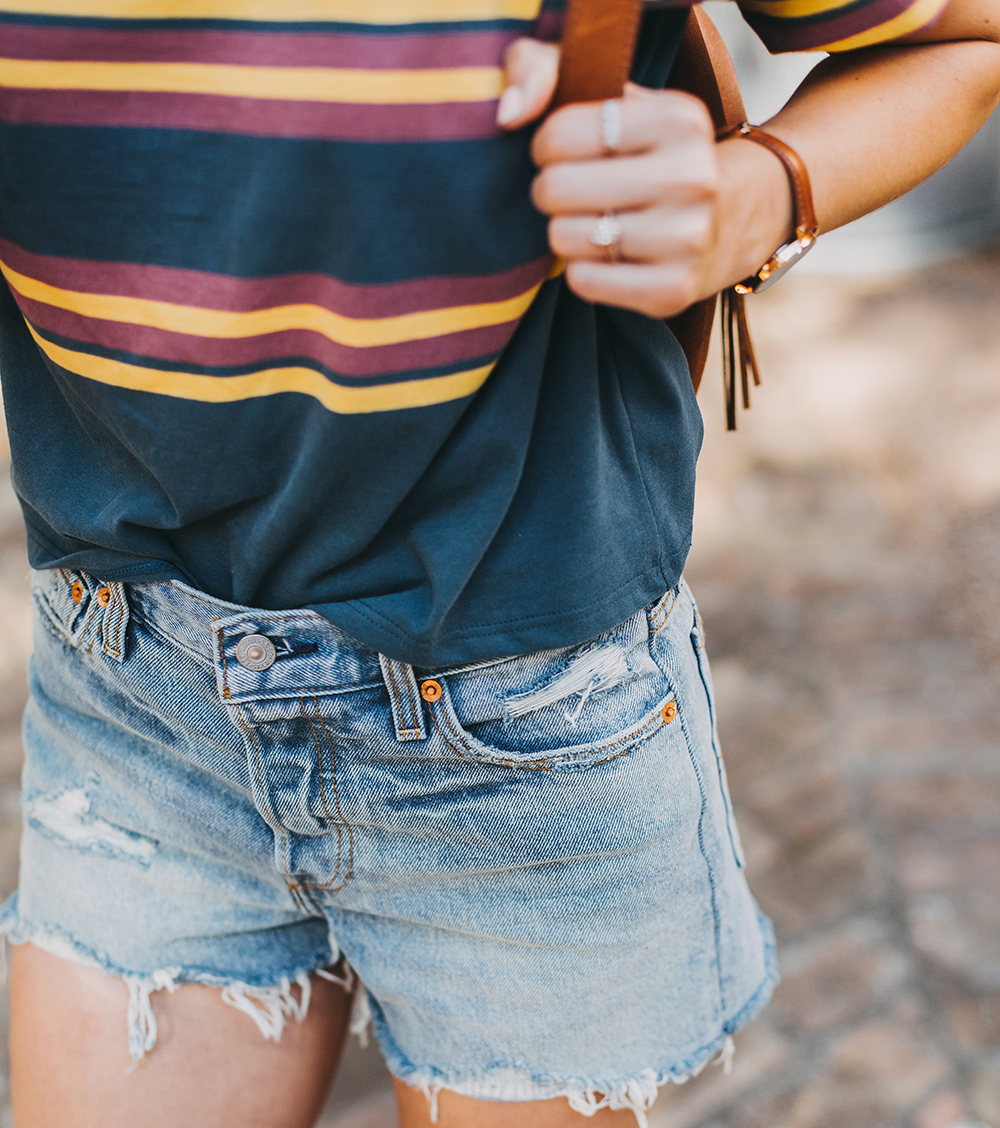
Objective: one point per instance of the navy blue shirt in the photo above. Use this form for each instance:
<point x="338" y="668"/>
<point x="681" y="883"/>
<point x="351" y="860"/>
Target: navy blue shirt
<point x="280" y="320"/>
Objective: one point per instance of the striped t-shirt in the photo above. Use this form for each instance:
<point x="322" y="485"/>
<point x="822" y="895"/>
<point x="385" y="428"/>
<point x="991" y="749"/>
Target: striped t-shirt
<point x="283" y="322"/>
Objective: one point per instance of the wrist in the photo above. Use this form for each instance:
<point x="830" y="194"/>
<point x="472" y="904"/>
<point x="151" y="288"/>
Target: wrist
<point x="755" y="211"/>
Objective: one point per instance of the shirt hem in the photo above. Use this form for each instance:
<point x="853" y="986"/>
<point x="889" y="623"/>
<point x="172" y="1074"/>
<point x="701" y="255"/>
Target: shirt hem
<point x="477" y="643"/>
<point x="485" y="641"/>
<point x="99" y="563"/>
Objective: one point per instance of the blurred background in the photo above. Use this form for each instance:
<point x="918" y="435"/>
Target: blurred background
<point x="847" y="561"/>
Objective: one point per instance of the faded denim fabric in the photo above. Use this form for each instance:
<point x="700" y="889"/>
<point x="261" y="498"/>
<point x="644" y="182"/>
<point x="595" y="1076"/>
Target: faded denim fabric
<point x="531" y="863"/>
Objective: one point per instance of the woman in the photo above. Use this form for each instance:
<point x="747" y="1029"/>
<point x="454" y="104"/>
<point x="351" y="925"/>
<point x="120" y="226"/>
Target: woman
<point x="283" y="330"/>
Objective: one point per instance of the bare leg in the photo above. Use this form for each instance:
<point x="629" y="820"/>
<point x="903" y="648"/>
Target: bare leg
<point x="210" y="1067"/>
<point x="464" y="1112"/>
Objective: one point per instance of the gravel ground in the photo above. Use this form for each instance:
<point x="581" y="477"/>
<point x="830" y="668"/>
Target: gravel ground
<point x="847" y="561"/>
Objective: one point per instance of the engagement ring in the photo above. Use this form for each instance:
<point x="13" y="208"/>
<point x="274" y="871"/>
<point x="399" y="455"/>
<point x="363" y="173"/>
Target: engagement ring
<point x="607" y="233"/>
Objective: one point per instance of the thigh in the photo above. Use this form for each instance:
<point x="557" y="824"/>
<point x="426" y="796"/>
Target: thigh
<point x="70" y="1060"/>
<point x="154" y="923"/>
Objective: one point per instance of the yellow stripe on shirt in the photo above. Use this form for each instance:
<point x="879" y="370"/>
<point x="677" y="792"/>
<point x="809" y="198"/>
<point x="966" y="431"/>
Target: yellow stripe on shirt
<point x="270" y="382"/>
<point x="285" y="11"/>
<point x="354" y="332"/>
<point x="791" y="9"/>
<point x="913" y="19"/>
<point x="299" y="84"/>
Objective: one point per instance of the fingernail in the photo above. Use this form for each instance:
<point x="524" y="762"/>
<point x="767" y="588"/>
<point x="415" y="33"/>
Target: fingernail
<point x="511" y="105"/>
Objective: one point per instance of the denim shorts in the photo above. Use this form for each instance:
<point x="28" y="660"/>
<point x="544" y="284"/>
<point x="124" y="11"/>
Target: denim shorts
<point x="530" y="863"/>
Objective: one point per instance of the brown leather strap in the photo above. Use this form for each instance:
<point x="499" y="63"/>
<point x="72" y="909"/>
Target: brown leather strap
<point x="798" y="174"/>
<point x="598" y="44"/>
<point x="704" y="69"/>
<point x="597" y="47"/>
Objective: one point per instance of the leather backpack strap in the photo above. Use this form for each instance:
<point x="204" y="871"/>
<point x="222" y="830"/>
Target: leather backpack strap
<point x="704" y="69"/>
<point x="597" y="47"/>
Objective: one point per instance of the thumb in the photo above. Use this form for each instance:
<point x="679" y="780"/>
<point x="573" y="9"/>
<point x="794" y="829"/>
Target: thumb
<point x="531" y="68"/>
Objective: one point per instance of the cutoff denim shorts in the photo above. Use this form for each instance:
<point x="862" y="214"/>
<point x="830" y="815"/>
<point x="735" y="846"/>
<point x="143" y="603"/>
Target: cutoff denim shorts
<point x="530" y="863"/>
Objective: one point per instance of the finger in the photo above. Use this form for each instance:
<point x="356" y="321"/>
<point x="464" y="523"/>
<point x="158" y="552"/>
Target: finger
<point x="680" y="176"/>
<point x="654" y="235"/>
<point x="648" y="118"/>
<point x="531" y="69"/>
<point x="657" y="291"/>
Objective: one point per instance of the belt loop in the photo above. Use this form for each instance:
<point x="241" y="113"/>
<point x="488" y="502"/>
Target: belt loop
<point x="404" y="697"/>
<point x="106" y="619"/>
<point x="115" y="621"/>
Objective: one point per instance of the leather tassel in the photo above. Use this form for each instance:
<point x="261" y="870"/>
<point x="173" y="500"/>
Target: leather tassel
<point x="738" y="357"/>
<point x="748" y="358"/>
<point x="728" y="360"/>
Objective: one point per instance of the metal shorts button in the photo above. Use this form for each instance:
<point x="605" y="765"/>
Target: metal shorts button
<point x="430" y="690"/>
<point x="76" y="592"/>
<point x="104" y="596"/>
<point x="255" y="652"/>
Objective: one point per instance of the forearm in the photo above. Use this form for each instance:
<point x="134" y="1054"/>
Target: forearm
<point x="869" y="126"/>
<point x="694" y="216"/>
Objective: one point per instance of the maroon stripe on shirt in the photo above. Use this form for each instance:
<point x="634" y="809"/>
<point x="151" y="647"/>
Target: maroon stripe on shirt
<point x="809" y="33"/>
<point x="549" y="26"/>
<point x="253" y="48"/>
<point x="258" y="117"/>
<point x="225" y="292"/>
<point x="347" y="362"/>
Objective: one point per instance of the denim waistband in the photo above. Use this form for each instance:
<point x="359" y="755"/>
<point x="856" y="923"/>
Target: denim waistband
<point x="213" y="628"/>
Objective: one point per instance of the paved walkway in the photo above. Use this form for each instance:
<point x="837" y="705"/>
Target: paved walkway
<point x="847" y="561"/>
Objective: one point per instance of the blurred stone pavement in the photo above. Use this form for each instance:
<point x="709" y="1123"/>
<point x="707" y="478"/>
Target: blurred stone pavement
<point x="847" y="562"/>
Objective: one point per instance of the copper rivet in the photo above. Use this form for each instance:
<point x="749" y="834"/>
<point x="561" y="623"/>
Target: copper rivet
<point x="669" y="712"/>
<point x="76" y="592"/>
<point x="104" y="596"/>
<point x="430" y="690"/>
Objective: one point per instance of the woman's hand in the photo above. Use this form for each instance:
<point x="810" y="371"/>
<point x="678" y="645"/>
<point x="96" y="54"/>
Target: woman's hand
<point x="697" y="216"/>
<point x="663" y="183"/>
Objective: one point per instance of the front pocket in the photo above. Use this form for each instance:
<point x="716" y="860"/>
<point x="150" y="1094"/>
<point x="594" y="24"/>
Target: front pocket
<point x="81" y="611"/>
<point x="63" y="599"/>
<point x="569" y="757"/>
<point x="555" y="711"/>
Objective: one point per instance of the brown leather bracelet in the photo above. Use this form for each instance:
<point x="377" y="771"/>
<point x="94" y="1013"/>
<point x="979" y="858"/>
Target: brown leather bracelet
<point x="806" y="227"/>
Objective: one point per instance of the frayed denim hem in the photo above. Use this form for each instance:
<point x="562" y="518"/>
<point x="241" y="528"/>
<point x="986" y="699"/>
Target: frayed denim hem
<point x="587" y="1097"/>
<point x="268" y="1006"/>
